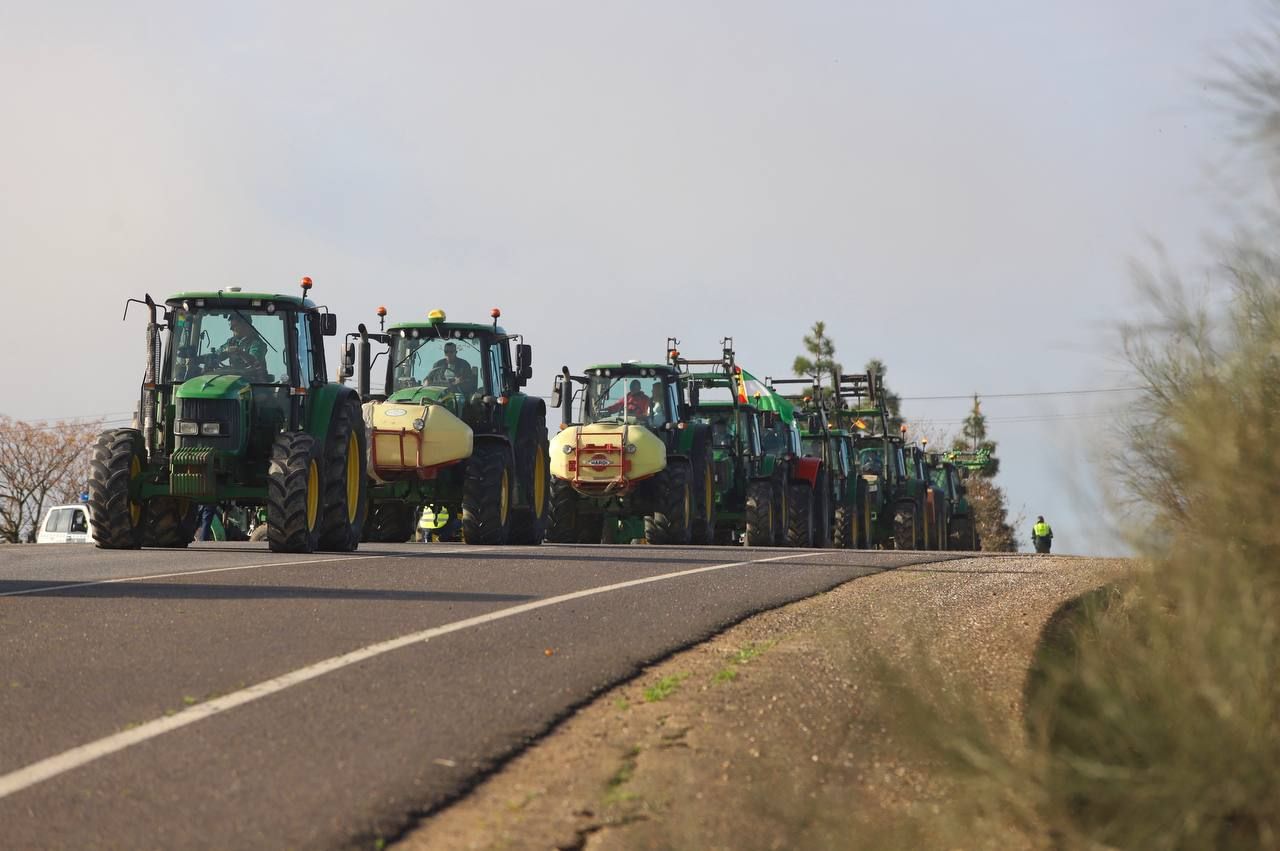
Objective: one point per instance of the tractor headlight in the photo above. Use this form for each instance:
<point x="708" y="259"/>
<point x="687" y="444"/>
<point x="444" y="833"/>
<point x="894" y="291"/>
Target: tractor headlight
<point x="211" y="429"/>
<point x="631" y="449"/>
<point x="187" y="427"/>
<point x="568" y="450"/>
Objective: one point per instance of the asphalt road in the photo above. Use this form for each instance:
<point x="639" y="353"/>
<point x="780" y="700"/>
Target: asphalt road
<point x="227" y="697"/>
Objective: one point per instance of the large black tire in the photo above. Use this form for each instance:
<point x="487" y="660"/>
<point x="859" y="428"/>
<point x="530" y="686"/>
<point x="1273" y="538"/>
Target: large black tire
<point x="673" y="505"/>
<point x="533" y="472"/>
<point x="800" y="516"/>
<point x="486" y="495"/>
<point x="908" y="527"/>
<point x="169" y="522"/>
<point x="294" y="493"/>
<point x="345" y="500"/>
<point x="760" y="513"/>
<point x="116" y="520"/>
<point x="563" y="522"/>
<point x="703" y="480"/>
<point x="844" y="531"/>
<point x="822" y="512"/>
<point x="391" y="522"/>
<point x="782" y="512"/>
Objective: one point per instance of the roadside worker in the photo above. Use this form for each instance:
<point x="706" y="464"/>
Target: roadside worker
<point x="1042" y="535"/>
<point x="636" y="402"/>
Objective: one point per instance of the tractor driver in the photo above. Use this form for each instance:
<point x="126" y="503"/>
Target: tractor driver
<point x="635" y="402"/>
<point x="245" y="349"/>
<point x="452" y="371"/>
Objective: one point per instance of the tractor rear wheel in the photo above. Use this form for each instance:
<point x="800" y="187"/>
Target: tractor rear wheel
<point x="844" y="533"/>
<point x="673" y="500"/>
<point x="760" y="514"/>
<point x="115" y="518"/>
<point x="486" y="495"/>
<point x="390" y="522"/>
<point x="704" y="499"/>
<point x="800" y="516"/>
<point x="345" y="499"/>
<point x="564" y="521"/>
<point x="781" y="514"/>
<point x="533" y="469"/>
<point x="169" y="522"/>
<point x="822" y="512"/>
<point x="294" y="494"/>
<point x="908" y="531"/>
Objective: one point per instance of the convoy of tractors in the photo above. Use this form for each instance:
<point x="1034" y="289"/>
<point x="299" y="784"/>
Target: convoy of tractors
<point x="236" y="408"/>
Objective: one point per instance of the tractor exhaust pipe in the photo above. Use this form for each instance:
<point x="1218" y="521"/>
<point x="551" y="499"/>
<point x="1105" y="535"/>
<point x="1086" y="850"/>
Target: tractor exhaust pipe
<point x="150" y="379"/>
<point x="362" y="365"/>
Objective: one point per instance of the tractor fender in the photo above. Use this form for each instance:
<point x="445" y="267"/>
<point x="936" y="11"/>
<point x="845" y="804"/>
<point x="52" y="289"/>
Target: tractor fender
<point x="321" y="402"/>
<point x="805" y="468"/>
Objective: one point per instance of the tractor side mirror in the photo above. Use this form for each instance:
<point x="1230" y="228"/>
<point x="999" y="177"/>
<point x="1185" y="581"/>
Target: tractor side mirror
<point x="348" y="367"/>
<point x="557" y="392"/>
<point x="524" y="362"/>
<point x="329" y="324"/>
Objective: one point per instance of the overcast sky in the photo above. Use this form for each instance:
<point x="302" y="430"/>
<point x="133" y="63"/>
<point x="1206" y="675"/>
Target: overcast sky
<point x="956" y="188"/>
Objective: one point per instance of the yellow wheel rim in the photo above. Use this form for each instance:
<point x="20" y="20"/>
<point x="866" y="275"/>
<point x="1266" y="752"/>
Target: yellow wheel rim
<point x="135" y="508"/>
<point x="313" y="494"/>
<point x="504" y="501"/>
<point x="539" y="481"/>
<point x="353" y="477"/>
<point x="688" y="507"/>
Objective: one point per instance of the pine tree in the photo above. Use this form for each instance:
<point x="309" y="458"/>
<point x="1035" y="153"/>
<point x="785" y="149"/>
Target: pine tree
<point x="892" y="401"/>
<point x="820" y="362"/>
<point x="990" y="508"/>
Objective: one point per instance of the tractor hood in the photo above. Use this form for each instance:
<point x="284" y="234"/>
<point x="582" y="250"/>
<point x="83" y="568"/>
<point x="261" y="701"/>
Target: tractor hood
<point x="606" y="457"/>
<point x="426" y="396"/>
<point x="213" y="387"/>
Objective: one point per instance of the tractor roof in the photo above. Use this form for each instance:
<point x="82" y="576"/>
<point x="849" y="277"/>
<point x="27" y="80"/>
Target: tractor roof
<point x="477" y="327"/>
<point x="634" y="368"/>
<point x="723" y="406"/>
<point x="230" y="297"/>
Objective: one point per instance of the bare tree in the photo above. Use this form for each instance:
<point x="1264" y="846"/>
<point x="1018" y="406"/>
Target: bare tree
<point x="40" y="465"/>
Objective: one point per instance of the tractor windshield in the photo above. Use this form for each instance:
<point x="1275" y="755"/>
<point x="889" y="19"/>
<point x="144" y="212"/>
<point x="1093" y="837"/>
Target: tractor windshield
<point x="229" y="341"/>
<point x="623" y="398"/>
<point x="941" y="480"/>
<point x="871" y="461"/>
<point x="452" y="363"/>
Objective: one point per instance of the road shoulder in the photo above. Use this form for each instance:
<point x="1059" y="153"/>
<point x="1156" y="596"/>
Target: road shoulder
<point x="780" y="731"/>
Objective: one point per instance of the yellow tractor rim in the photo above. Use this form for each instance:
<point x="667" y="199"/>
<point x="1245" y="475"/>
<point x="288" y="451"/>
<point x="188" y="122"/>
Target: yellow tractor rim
<point x="688" y="506"/>
<point x="539" y="481"/>
<point x="313" y="494"/>
<point x="708" y="497"/>
<point x="353" y="477"/>
<point x="135" y="508"/>
<point x="504" y="501"/>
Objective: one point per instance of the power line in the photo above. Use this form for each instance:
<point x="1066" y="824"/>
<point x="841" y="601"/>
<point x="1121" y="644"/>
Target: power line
<point x="984" y="396"/>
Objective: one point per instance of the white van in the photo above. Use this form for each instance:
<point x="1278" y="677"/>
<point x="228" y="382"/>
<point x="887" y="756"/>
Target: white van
<point x="65" y="524"/>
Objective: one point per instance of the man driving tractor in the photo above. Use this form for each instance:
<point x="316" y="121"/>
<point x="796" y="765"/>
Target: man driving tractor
<point x="452" y="371"/>
<point x="635" y="402"/>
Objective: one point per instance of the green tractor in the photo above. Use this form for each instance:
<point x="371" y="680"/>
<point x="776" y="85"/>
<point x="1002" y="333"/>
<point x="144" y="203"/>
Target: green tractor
<point x="950" y="470"/>
<point x="450" y="428"/>
<point x="844" y="521"/>
<point x="632" y="460"/>
<point x="901" y="512"/>
<point x="234" y="407"/>
<point x="765" y="489"/>
<point x="934" y="507"/>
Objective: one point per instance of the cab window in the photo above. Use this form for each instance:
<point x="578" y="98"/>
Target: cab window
<point x="496" y="367"/>
<point x="59" y="521"/>
<point x="78" y="521"/>
<point x="306" y="352"/>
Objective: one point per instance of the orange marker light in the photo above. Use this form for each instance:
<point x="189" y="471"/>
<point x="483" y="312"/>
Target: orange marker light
<point x="382" y="311"/>
<point x="306" y="282"/>
<point x="495" y="313"/>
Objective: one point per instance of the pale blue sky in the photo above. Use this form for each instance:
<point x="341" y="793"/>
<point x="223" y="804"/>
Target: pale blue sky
<point x="611" y="173"/>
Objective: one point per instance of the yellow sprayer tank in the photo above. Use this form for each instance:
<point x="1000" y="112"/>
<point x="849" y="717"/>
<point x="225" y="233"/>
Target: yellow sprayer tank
<point x="599" y="459"/>
<point x="413" y="441"/>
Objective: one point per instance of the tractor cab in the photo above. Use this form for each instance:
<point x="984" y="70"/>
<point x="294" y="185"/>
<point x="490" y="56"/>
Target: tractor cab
<point x="634" y="393"/>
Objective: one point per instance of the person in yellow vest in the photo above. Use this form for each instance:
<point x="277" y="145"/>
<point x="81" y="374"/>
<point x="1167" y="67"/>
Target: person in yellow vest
<point x="436" y="525"/>
<point x="1042" y="535"/>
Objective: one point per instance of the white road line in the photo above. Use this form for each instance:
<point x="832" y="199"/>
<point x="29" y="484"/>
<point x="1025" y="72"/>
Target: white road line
<point x="45" y="769"/>
<point x="45" y="588"/>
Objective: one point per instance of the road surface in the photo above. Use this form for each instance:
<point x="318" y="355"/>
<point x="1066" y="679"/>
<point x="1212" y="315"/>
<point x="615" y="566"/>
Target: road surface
<point x="225" y="696"/>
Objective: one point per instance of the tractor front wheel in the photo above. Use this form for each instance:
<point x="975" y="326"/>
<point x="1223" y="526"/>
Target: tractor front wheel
<point x="564" y="521"/>
<point x="800" y="516"/>
<point x="673" y="498"/>
<point x="704" y="499"/>
<point x="844" y="532"/>
<point x="345" y="500"/>
<point x="529" y="520"/>
<point x="908" y="528"/>
<point x="486" y="495"/>
<point x="294" y="493"/>
<point x="760" y="514"/>
<point x="115" y="518"/>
